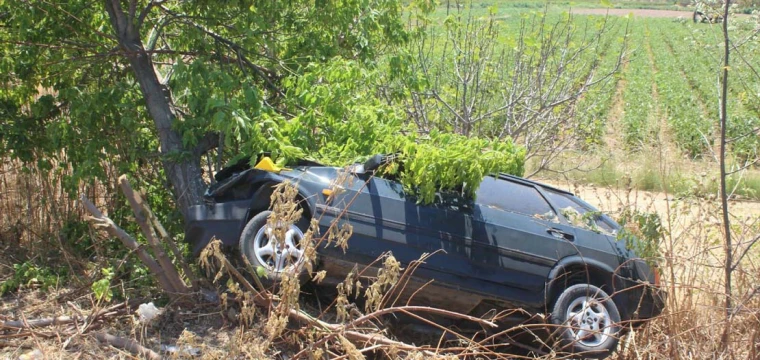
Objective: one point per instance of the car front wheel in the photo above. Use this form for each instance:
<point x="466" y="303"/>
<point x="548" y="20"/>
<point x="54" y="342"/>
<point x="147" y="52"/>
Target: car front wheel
<point x="589" y="321"/>
<point x="275" y="250"/>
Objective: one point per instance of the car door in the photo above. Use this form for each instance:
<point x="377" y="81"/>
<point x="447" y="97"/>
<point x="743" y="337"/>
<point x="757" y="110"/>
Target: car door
<point x="595" y="234"/>
<point x="384" y="218"/>
<point x="523" y="229"/>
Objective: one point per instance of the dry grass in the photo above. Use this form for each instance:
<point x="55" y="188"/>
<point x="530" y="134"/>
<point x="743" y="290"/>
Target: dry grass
<point x="690" y="328"/>
<point x="683" y="192"/>
<point x="692" y="261"/>
<point x="38" y="216"/>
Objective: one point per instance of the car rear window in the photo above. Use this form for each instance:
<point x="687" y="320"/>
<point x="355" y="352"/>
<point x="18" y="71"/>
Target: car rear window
<point x="511" y="196"/>
<point x="566" y="203"/>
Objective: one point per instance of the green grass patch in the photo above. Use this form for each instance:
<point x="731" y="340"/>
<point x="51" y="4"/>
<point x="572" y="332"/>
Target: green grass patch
<point x="28" y="274"/>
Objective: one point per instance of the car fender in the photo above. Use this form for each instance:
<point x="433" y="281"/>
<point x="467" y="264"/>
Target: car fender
<point x="570" y="261"/>
<point x="573" y="260"/>
<point x="259" y="200"/>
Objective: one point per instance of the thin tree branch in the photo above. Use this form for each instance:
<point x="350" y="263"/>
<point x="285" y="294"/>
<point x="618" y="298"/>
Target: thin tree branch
<point x="745" y="252"/>
<point x="127" y="344"/>
<point x="209" y="141"/>
<point x="146" y="10"/>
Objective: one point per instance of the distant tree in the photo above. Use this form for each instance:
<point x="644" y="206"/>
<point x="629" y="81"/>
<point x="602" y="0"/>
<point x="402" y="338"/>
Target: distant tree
<point x="477" y="76"/>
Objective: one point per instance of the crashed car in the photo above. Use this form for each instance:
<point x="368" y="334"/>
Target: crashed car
<point x="518" y="244"/>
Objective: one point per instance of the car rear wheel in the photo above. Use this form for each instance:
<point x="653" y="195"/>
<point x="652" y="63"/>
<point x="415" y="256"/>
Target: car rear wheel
<point x="259" y="243"/>
<point x="589" y="320"/>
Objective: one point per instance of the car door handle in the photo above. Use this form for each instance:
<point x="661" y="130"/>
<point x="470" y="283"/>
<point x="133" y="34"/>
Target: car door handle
<point x="560" y="234"/>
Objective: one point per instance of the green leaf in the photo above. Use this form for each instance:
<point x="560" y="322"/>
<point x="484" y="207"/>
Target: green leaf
<point x="261" y="272"/>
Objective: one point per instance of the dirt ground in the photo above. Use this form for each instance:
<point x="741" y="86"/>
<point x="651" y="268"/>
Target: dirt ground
<point x="635" y="12"/>
<point x="650" y="13"/>
<point x="610" y="199"/>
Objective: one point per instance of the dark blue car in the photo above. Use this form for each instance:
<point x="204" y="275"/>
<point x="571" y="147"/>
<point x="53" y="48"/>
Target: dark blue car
<point x="519" y="244"/>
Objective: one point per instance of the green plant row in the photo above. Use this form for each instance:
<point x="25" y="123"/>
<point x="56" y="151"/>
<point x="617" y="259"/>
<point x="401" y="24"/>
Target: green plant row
<point x="698" y="53"/>
<point x="639" y="104"/>
<point x="682" y="106"/>
<point x="594" y="107"/>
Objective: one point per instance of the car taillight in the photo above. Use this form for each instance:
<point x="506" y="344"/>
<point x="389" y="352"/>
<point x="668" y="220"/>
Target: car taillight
<point x="656" y="276"/>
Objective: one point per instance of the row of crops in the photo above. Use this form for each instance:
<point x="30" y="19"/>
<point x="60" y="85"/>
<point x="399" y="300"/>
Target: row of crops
<point x="702" y="68"/>
<point x="672" y="77"/>
<point x="687" y="116"/>
<point x="640" y="108"/>
<point x="669" y="83"/>
<point x="594" y="107"/>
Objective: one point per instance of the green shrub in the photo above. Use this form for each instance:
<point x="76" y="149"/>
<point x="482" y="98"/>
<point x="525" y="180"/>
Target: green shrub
<point x="346" y="123"/>
<point x="642" y="232"/>
<point x="27" y="274"/>
<point x="454" y="162"/>
<point x="102" y="287"/>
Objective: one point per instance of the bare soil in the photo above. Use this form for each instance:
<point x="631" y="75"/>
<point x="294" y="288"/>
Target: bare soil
<point x="611" y="199"/>
<point x="636" y="12"/>
<point x="649" y="13"/>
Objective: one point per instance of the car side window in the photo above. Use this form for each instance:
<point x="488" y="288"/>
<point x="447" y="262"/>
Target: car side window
<point x="514" y="197"/>
<point x="574" y="212"/>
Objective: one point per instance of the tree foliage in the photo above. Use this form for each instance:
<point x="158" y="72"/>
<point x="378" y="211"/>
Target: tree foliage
<point x="169" y="84"/>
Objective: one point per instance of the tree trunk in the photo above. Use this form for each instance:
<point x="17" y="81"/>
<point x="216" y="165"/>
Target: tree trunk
<point x="727" y="246"/>
<point x="182" y="165"/>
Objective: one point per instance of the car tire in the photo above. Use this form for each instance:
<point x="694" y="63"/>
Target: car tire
<point x="589" y="321"/>
<point x="262" y="251"/>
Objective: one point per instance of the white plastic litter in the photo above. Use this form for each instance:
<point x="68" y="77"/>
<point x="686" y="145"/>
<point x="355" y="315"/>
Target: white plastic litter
<point x="35" y="354"/>
<point x="176" y="350"/>
<point x="147" y="312"/>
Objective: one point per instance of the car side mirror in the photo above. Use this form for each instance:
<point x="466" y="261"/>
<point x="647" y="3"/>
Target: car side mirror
<point x="358" y="169"/>
<point x="374" y="163"/>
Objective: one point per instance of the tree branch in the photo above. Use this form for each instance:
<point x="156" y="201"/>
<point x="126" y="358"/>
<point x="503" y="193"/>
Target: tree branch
<point x="267" y="75"/>
<point x="116" y="14"/>
<point x="745" y="252"/>
<point x="132" y="12"/>
<point x="127" y="344"/>
<point x="208" y="142"/>
<point x="138" y="206"/>
<point x="146" y="10"/>
<point x="103" y="222"/>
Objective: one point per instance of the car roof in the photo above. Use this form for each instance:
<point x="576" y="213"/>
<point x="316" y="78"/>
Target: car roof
<point x="525" y="181"/>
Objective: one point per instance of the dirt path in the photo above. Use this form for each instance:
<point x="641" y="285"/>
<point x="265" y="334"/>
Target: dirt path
<point x="612" y="200"/>
<point x="613" y="138"/>
<point x="651" y="13"/>
<point x="635" y="12"/>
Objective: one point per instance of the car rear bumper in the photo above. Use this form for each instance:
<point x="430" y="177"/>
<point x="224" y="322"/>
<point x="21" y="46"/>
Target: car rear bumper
<point x="652" y="302"/>
<point x="644" y="297"/>
<point x="643" y="302"/>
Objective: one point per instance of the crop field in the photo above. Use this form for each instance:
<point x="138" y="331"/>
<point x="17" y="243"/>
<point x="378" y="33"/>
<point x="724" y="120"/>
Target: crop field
<point x="668" y="93"/>
<point x="669" y="77"/>
<point x="665" y="90"/>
